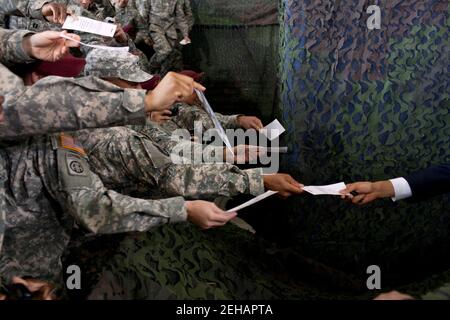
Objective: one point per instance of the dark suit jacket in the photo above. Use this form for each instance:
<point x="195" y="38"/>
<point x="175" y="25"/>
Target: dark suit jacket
<point x="429" y="182"/>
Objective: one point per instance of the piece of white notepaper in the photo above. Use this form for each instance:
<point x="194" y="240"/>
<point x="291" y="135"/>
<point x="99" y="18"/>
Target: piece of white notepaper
<point x="332" y="189"/>
<point x="214" y="119"/>
<point x="273" y="130"/>
<point x="253" y="201"/>
<point x="121" y="49"/>
<point x="84" y="24"/>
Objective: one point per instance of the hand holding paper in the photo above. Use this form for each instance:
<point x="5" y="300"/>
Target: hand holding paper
<point x="121" y="49"/>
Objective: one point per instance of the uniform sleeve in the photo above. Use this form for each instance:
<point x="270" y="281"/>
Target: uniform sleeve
<point x="123" y="156"/>
<point x="181" y="19"/>
<point x="11" y="50"/>
<point x="65" y="104"/>
<point x="104" y="211"/>
<point x="29" y="8"/>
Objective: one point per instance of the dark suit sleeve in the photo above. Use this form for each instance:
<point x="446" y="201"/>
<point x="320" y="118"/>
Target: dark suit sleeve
<point x="430" y="182"/>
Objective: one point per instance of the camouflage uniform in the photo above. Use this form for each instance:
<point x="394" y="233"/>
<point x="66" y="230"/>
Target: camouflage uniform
<point x="49" y="189"/>
<point x="129" y="16"/>
<point x="189" y="114"/>
<point x="163" y="18"/>
<point x="187" y="9"/>
<point x="123" y="157"/>
<point x="28" y="168"/>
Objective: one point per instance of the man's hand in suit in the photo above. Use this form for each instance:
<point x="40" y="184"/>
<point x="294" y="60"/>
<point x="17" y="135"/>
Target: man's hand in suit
<point x="368" y="191"/>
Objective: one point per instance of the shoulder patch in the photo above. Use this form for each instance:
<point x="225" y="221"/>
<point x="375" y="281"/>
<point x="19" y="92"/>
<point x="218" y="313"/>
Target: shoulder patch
<point x="76" y="166"/>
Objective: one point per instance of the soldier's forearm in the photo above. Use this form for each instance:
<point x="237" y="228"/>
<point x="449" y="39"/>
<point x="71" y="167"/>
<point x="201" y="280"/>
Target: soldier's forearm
<point x="56" y="104"/>
<point x="208" y="181"/>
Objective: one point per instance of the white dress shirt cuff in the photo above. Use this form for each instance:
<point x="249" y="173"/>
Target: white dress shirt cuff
<point x="401" y="188"/>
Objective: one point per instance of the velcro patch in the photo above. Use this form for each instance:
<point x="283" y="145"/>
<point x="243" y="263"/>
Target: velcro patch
<point x="76" y="166"/>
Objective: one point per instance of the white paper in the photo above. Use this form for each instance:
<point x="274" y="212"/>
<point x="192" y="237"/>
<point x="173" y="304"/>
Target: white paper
<point x="214" y="119"/>
<point x="84" y="24"/>
<point x="184" y="42"/>
<point x="273" y="130"/>
<point x="253" y="201"/>
<point x="332" y="189"/>
<point x="121" y="49"/>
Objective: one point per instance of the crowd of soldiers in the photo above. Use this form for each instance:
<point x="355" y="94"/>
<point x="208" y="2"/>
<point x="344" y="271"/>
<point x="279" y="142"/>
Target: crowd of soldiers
<point x="84" y="147"/>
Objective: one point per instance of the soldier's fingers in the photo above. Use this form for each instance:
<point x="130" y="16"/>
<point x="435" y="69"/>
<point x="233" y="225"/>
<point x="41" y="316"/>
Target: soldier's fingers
<point x="223" y="216"/>
<point x="198" y="86"/>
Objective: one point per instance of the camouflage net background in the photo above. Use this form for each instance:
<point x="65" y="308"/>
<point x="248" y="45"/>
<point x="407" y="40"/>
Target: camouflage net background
<point x="367" y="105"/>
<point x="236" y="44"/>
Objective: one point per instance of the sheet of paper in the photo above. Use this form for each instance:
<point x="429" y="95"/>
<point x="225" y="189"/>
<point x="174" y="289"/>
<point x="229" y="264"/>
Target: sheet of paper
<point x="122" y="49"/>
<point x="214" y="119"/>
<point x="84" y="24"/>
<point x="273" y="130"/>
<point x="332" y="189"/>
<point x="253" y="201"/>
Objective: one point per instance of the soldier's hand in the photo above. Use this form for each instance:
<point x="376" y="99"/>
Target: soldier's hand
<point x="207" y="215"/>
<point x="120" y="35"/>
<point x="284" y="184"/>
<point x="249" y="122"/>
<point x="54" y="12"/>
<point x="160" y="116"/>
<point x="173" y="88"/>
<point x="242" y="154"/>
<point x="49" y="45"/>
<point x="368" y="191"/>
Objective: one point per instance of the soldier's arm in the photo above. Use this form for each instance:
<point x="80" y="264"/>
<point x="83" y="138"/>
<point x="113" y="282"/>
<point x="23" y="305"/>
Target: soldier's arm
<point x="30" y="8"/>
<point x="100" y="210"/>
<point x="121" y="157"/>
<point x="11" y="49"/>
<point x="65" y="104"/>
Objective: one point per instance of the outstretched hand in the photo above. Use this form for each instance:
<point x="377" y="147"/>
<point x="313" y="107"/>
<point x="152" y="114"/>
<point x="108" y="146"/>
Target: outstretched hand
<point x="49" y="45"/>
<point x="207" y="215"/>
<point x="368" y="191"/>
<point x="284" y="184"/>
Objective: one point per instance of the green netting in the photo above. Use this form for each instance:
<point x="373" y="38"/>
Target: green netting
<point x="367" y="105"/>
<point x="235" y="12"/>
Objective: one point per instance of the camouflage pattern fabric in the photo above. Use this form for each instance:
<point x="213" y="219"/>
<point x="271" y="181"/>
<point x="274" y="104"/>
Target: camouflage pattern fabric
<point x="124" y="158"/>
<point x="50" y="187"/>
<point x="363" y="104"/>
<point x="183" y="262"/>
<point x="189" y="114"/>
<point x="163" y="19"/>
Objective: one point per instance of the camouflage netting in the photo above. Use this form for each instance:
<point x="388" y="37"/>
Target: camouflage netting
<point x="235" y="42"/>
<point x="367" y="105"/>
